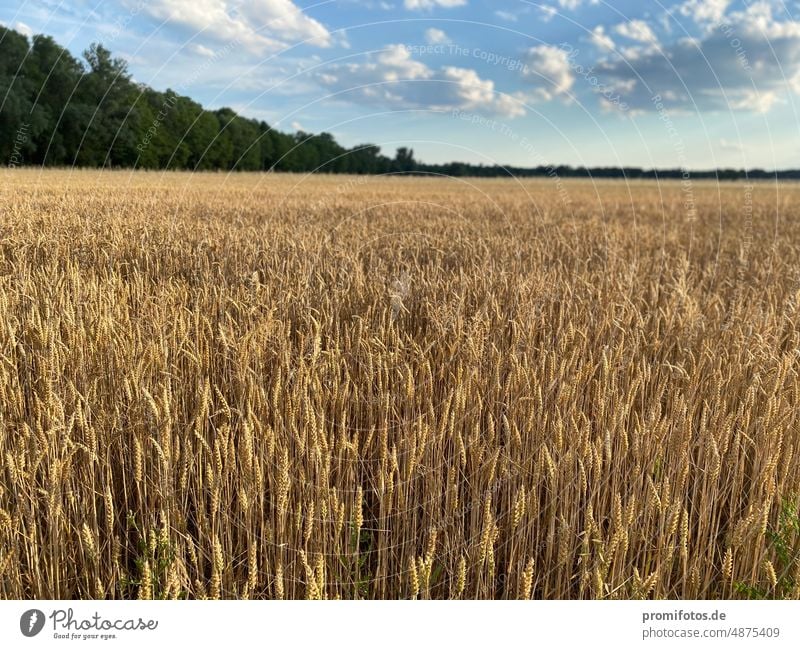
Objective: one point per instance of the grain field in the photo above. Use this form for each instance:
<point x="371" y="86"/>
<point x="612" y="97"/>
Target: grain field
<point x="267" y="386"/>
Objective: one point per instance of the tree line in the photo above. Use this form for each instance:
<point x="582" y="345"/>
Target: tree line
<point x="57" y="110"/>
<point x="60" y="111"/>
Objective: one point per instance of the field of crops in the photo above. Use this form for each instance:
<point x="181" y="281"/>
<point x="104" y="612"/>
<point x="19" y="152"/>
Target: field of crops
<point x="263" y="386"/>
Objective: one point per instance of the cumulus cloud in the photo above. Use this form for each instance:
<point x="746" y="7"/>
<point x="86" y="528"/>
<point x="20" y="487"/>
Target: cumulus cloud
<point x="393" y="78"/>
<point x="600" y="39"/>
<point x="20" y="27"/>
<point x="572" y="5"/>
<point x="704" y="11"/>
<point x="431" y="4"/>
<point x="568" y="5"/>
<point x="748" y="63"/>
<point x="549" y="68"/>
<point x="506" y="15"/>
<point x="257" y="25"/>
<point x="547" y="13"/>
<point x="636" y="30"/>
<point x="435" y="36"/>
<point x="755" y="101"/>
<point x="23" y="29"/>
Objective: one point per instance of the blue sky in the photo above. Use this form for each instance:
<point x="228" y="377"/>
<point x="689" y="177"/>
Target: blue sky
<point x="692" y="83"/>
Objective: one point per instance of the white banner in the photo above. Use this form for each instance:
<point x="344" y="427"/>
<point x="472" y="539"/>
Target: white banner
<point x="237" y="624"/>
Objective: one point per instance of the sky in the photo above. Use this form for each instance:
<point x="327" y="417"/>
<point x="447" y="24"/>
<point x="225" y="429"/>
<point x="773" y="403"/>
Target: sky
<point x="688" y="83"/>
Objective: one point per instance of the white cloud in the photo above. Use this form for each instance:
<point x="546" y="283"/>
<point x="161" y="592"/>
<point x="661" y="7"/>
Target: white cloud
<point x="473" y="93"/>
<point x="601" y="40"/>
<point x="572" y="5"/>
<point x="342" y="40"/>
<point x="430" y="4"/>
<point x="258" y="25"/>
<point x="23" y="29"/>
<point x="703" y="11"/>
<point x="435" y="36"/>
<point x="395" y="79"/>
<point x="757" y="19"/>
<point x="201" y="50"/>
<point x="550" y="65"/>
<point x="297" y="126"/>
<point x="506" y="15"/>
<point x="752" y="100"/>
<point x="636" y="30"/>
<point x="547" y="13"/>
<point x="750" y="63"/>
<point x="396" y="63"/>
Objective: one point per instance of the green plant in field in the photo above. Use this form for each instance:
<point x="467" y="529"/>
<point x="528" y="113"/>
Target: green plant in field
<point x="154" y="558"/>
<point x="784" y="542"/>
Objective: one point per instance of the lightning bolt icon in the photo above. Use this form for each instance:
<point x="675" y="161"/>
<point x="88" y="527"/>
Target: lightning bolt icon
<point x="32" y="621"/>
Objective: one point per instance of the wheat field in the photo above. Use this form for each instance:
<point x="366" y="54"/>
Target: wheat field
<point x="278" y="386"/>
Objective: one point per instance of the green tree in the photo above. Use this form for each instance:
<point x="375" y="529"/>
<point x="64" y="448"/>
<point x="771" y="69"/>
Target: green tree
<point x="56" y="76"/>
<point x="404" y="160"/>
<point x="112" y="133"/>
<point x="18" y="124"/>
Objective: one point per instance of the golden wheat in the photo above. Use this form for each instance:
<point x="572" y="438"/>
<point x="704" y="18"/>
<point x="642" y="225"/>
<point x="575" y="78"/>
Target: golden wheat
<point x="261" y="386"/>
